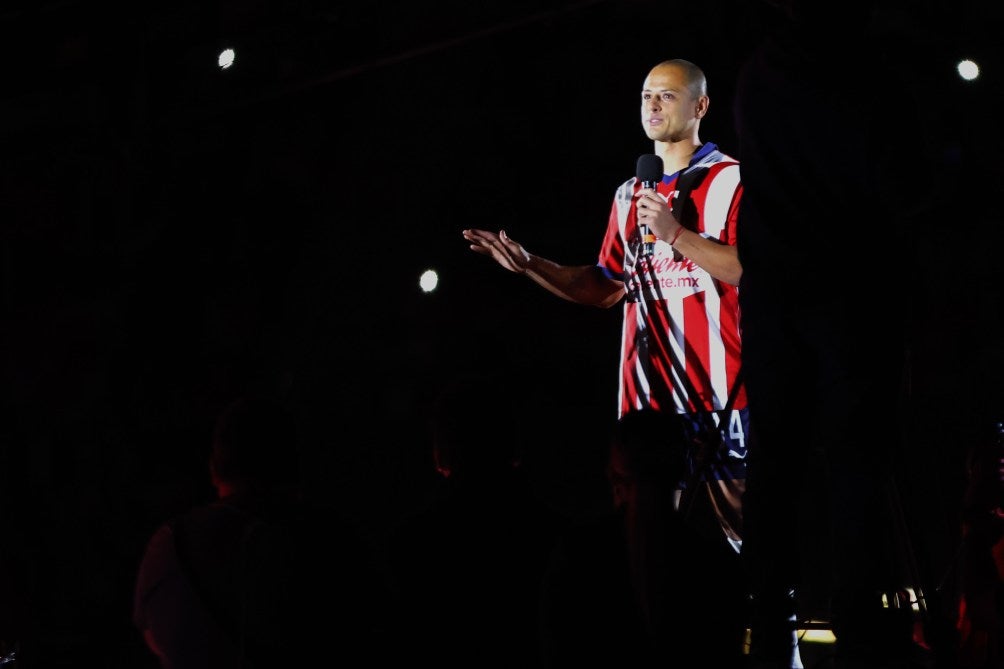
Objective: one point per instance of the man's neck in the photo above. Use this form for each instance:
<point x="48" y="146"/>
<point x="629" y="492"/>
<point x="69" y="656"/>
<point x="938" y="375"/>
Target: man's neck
<point x="677" y="155"/>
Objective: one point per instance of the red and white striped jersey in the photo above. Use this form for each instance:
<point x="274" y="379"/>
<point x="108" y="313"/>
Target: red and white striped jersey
<point x="675" y="310"/>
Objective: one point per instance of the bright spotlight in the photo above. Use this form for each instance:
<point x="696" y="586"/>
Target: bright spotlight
<point x="225" y="59"/>
<point x="428" y="281"/>
<point x="968" y="70"/>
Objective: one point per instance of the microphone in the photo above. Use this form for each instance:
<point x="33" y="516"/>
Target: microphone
<point x="649" y="173"/>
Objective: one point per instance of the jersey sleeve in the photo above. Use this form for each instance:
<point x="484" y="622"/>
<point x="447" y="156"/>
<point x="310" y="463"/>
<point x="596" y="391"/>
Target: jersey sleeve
<point x="733" y="216"/>
<point x="612" y="251"/>
<point x="718" y="199"/>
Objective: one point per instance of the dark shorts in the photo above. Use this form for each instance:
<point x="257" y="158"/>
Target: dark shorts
<point x="717" y="453"/>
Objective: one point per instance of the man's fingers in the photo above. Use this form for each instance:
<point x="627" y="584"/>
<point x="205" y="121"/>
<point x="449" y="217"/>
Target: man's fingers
<point x="480" y="236"/>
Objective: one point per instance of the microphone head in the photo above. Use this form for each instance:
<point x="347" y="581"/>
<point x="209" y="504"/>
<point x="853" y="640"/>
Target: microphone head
<point x="649" y="168"/>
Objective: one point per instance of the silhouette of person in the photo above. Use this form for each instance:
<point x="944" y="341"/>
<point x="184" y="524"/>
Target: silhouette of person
<point x="829" y="187"/>
<point x="980" y="621"/>
<point x="466" y="570"/>
<point x="258" y="577"/>
<point x="640" y="587"/>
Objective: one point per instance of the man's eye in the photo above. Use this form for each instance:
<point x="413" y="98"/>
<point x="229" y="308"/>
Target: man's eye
<point x="667" y="96"/>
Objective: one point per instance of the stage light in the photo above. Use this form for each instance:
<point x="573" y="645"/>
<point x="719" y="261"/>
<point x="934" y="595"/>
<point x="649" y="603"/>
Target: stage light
<point x="968" y="70"/>
<point x="226" y="58"/>
<point x="428" y="281"/>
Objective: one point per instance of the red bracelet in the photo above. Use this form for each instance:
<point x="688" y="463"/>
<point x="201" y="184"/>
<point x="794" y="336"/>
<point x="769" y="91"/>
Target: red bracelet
<point x="679" y="230"/>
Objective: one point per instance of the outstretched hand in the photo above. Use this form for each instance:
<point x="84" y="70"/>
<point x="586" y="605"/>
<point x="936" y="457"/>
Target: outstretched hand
<point x="505" y="251"/>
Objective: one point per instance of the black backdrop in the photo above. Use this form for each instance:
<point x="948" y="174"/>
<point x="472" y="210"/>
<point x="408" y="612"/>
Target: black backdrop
<point x="175" y="235"/>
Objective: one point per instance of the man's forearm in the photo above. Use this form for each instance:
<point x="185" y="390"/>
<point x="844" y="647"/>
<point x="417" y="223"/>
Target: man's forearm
<point x="582" y="284"/>
<point x="719" y="260"/>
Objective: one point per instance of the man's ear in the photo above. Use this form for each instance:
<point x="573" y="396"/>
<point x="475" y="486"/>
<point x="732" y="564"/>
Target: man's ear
<point x="619" y="493"/>
<point x="213" y="476"/>
<point x="701" y="109"/>
<point x="442" y="466"/>
<point x="221" y="487"/>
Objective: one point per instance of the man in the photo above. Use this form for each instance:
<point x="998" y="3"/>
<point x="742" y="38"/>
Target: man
<point x="638" y="586"/>
<point x="680" y="345"/>
<point x="259" y="577"/>
<point x="466" y="568"/>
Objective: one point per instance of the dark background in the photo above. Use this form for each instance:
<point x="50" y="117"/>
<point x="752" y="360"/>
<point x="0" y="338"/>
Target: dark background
<point x="175" y="235"/>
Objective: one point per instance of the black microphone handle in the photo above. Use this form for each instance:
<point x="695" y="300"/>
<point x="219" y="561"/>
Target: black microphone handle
<point x="649" y="170"/>
<point x="647" y="238"/>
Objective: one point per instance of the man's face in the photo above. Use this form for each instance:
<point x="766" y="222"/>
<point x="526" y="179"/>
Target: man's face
<point x="668" y="110"/>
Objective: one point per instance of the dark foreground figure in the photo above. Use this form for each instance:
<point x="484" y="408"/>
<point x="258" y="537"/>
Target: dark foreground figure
<point x="259" y="577"/>
<point x="466" y="569"/>
<point x="824" y="238"/>
<point x="641" y="587"/>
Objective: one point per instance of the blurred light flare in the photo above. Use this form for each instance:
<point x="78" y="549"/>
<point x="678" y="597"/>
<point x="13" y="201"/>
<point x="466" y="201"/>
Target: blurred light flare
<point x="226" y="58"/>
<point x="968" y="70"/>
<point x="428" y="281"/>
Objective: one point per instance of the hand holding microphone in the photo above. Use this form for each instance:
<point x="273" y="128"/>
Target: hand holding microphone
<point x="652" y="212"/>
<point x="649" y="173"/>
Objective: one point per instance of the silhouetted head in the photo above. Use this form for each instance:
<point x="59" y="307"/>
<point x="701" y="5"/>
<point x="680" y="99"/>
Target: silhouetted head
<point x="254" y="448"/>
<point x="823" y="29"/>
<point x="474" y="435"/>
